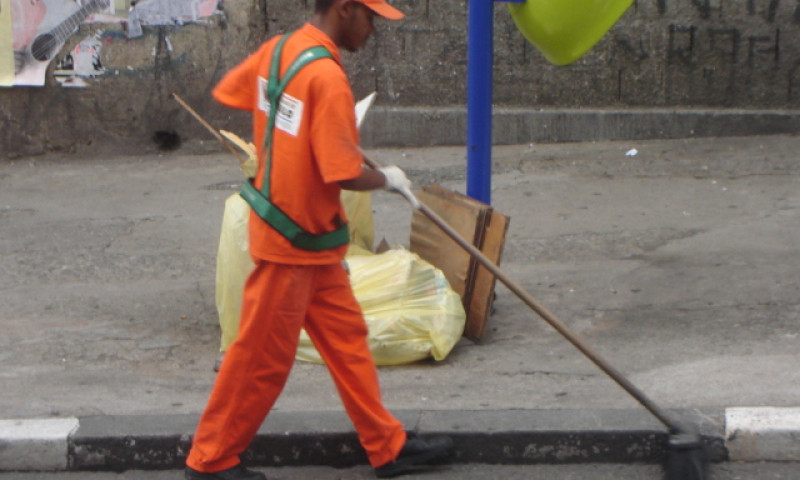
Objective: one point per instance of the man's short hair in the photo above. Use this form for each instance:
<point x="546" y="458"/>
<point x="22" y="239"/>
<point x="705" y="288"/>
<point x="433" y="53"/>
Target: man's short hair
<point x="322" y="6"/>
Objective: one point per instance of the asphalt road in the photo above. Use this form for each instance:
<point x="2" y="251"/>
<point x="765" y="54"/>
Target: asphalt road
<point x="679" y="265"/>
<point x="723" y="471"/>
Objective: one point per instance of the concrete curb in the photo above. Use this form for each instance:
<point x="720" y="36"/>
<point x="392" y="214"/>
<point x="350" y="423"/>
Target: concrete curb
<point x="35" y="444"/>
<point x="763" y="434"/>
<point x="148" y="442"/>
<point x="327" y="438"/>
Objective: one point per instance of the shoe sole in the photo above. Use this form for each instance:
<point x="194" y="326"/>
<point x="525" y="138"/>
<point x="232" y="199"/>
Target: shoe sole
<point x="195" y="475"/>
<point x="416" y="463"/>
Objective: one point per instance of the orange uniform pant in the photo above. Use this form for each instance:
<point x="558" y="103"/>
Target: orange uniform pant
<point x="278" y="301"/>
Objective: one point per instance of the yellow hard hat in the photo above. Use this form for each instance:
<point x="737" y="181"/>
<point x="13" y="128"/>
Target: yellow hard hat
<point x="563" y="30"/>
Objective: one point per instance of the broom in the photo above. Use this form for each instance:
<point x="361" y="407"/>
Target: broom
<point x="686" y="458"/>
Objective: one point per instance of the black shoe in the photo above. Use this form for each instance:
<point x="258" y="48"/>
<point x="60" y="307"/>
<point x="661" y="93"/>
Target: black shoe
<point x="236" y="473"/>
<point x="417" y="453"/>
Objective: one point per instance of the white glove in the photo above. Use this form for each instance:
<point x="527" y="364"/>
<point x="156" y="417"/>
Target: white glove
<point x="396" y="181"/>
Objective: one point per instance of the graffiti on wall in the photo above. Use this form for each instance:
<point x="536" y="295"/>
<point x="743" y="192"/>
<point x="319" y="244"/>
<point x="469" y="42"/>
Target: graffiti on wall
<point x="720" y="52"/>
<point x="33" y="33"/>
<point x="671" y="52"/>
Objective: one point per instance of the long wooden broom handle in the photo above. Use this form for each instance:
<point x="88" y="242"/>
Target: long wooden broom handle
<point x="209" y="127"/>
<point x="546" y="315"/>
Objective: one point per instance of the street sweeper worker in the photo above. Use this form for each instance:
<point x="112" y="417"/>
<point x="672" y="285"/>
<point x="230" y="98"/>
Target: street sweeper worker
<point x="304" y="125"/>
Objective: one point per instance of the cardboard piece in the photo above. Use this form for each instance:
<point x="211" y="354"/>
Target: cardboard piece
<point x="482" y="297"/>
<point x="434" y="246"/>
<point x="477" y="223"/>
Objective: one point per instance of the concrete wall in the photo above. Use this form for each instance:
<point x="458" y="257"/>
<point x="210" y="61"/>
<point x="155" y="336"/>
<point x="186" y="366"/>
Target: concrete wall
<point x="662" y="61"/>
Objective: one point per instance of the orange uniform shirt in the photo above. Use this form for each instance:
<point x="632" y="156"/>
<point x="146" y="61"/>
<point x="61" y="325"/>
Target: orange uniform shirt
<point x="313" y="149"/>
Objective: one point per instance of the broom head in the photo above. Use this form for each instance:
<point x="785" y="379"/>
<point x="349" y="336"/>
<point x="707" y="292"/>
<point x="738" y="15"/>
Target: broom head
<point x="687" y="458"/>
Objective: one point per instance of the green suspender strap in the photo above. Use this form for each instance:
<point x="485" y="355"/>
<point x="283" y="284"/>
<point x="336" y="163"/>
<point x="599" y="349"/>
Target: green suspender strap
<point x="259" y="199"/>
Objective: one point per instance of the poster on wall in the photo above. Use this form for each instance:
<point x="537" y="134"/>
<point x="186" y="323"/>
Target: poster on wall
<point x="6" y="52"/>
<point x="39" y="29"/>
<point x="168" y="12"/>
<point x="81" y="61"/>
<point x="33" y="32"/>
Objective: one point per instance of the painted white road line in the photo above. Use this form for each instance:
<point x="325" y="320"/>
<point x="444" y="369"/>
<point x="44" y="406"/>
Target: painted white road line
<point x="35" y="444"/>
<point x="763" y="433"/>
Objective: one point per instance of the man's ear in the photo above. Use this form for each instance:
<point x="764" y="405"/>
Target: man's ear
<point x="344" y="7"/>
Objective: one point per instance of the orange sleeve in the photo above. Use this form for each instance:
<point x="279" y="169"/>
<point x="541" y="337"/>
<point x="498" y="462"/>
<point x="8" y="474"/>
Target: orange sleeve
<point x="239" y="87"/>
<point x="334" y="136"/>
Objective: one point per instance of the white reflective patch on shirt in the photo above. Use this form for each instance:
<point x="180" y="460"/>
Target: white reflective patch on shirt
<point x="290" y="111"/>
<point x="263" y="98"/>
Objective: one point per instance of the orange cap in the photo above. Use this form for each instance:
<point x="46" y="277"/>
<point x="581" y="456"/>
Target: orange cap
<point x="383" y="9"/>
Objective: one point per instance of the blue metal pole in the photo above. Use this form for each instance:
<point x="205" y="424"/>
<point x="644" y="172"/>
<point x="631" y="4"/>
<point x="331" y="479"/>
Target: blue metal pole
<point x="480" y="23"/>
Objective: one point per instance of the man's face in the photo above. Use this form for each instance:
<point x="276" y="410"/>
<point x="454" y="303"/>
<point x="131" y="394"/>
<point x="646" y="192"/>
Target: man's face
<point x="359" y="26"/>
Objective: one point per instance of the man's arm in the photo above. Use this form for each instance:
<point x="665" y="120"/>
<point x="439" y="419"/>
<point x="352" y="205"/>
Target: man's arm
<point x="391" y="178"/>
<point x="368" y="180"/>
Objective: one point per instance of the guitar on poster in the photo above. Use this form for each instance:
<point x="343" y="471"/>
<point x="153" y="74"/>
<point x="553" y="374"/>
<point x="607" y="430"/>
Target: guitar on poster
<point x="30" y="63"/>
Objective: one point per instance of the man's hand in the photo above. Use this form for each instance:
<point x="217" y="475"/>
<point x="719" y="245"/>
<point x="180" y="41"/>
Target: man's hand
<point x="397" y="181"/>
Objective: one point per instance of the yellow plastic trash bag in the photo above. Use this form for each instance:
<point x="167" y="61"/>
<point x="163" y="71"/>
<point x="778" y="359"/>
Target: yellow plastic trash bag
<point x="358" y="209"/>
<point x="233" y="266"/>
<point x="233" y="255"/>
<point x="410" y="309"/>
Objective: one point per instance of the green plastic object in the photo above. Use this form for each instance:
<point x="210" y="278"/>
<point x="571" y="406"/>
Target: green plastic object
<point x="564" y="30"/>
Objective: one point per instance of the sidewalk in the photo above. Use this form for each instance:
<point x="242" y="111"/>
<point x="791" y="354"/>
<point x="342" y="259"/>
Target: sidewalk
<point x="678" y="265"/>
